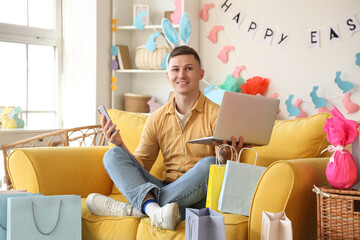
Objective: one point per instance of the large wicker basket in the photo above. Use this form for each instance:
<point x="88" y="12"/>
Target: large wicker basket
<point x="148" y="60"/>
<point x="338" y="213"/>
<point x="137" y="103"/>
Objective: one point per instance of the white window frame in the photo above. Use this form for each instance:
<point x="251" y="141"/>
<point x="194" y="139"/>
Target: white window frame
<point x="38" y="36"/>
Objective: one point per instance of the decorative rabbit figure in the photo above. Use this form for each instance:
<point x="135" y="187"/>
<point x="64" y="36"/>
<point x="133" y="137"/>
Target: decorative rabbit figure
<point x="153" y="105"/>
<point x="7" y="122"/>
<point x="19" y="122"/>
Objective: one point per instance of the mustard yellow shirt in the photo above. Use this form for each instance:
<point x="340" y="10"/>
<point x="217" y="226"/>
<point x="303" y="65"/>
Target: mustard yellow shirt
<point x="163" y="131"/>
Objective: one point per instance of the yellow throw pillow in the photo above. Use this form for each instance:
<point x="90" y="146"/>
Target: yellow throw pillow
<point x="292" y="139"/>
<point x="131" y="126"/>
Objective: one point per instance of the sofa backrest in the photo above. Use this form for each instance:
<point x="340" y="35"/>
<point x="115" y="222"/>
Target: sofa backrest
<point x="292" y="139"/>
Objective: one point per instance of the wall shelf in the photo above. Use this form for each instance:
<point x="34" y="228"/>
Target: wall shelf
<point x="140" y="71"/>
<point x="141" y="81"/>
<point x="148" y="27"/>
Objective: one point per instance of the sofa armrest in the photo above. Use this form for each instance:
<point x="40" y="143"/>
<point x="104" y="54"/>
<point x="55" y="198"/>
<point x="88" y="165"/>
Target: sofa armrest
<point x="287" y="186"/>
<point x="59" y="170"/>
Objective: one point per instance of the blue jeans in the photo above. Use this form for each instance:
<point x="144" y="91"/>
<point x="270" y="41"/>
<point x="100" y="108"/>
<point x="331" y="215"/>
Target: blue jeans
<point x="134" y="182"/>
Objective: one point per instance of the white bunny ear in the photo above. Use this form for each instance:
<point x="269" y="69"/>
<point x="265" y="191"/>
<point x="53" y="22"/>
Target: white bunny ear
<point x="169" y="32"/>
<point x="185" y="28"/>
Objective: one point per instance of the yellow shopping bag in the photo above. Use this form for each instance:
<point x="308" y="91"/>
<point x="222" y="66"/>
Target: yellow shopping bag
<point x="216" y="175"/>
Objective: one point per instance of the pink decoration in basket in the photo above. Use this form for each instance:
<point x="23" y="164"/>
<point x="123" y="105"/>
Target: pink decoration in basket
<point x="341" y="170"/>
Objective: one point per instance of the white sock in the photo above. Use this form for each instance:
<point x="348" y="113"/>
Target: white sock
<point x="136" y="213"/>
<point x="151" y="208"/>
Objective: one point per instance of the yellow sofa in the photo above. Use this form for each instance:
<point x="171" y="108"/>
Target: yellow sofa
<point x="293" y="157"/>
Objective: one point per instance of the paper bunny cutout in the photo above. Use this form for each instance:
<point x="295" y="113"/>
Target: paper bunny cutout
<point x="171" y="34"/>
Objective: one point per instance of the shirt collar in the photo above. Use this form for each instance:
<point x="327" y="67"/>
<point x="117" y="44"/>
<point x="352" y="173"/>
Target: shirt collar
<point x="198" y="106"/>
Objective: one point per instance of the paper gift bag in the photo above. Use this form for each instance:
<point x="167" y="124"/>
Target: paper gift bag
<point x="48" y="217"/>
<point x="275" y="226"/>
<point x="4" y="195"/>
<point x="216" y="175"/>
<point x="204" y="224"/>
<point x="238" y="186"/>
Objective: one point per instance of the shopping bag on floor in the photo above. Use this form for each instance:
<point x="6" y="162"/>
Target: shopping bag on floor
<point x="238" y="186"/>
<point x="216" y="175"/>
<point x="47" y="217"/>
<point x="204" y="224"/>
<point x="275" y="226"/>
<point x="4" y="195"/>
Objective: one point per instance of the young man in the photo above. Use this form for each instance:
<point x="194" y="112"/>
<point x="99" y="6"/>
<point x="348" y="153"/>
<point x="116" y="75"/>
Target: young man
<point x="188" y="115"/>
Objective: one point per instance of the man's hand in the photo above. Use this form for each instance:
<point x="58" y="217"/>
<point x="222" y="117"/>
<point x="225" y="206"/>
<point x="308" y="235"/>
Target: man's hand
<point x="225" y="153"/>
<point x="115" y="137"/>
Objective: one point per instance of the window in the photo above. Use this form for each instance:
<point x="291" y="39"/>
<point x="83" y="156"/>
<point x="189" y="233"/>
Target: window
<point x="30" y="43"/>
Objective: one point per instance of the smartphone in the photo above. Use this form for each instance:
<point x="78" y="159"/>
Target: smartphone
<point x="103" y="113"/>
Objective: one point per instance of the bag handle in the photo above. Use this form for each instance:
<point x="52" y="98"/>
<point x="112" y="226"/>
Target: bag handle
<point x="232" y="149"/>
<point x="1" y="226"/>
<point x="190" y="224"/>
<point x="56" y="224"/>
<point x="245" y="148"/>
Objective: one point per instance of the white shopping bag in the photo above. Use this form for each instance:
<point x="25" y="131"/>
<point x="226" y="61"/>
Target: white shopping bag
<point x="47" y="217"/>
<point x="275" y="226"/>
<point x="238" y="186"/>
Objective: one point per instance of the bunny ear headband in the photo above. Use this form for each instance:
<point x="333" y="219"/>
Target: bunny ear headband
<point x="184" y="31"/>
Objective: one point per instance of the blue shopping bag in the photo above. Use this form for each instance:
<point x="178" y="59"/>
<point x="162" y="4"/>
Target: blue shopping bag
<point x="3" y="208"/>
<point x="238" y="186"/>
<point x="47" y="217"/>
<point x="204" y="224"/>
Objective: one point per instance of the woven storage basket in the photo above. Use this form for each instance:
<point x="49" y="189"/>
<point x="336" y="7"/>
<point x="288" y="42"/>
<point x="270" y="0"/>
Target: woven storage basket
<point x="137" y="103"/>
<point x="338" y="214"/>
<point x="148" y="60"/>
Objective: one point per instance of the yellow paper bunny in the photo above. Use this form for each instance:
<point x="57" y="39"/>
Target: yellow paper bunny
<point x="7" y="122"/>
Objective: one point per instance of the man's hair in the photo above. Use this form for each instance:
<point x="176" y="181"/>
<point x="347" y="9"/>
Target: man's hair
<point x="183" y="50"/>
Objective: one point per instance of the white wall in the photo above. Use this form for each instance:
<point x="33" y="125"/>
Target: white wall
<point x="292" y="70"/>
<point x="296" y="68"/>
<point x="103" y="59"/>
<point x="86" y="60"/>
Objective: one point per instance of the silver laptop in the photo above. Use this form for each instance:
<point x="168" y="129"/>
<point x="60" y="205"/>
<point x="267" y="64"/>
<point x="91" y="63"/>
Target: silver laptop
<point x="244" y="115"/>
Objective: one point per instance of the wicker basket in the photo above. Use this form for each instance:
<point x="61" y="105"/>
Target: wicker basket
<point x="338" y="213"/>
<point x="137" y="103"/>
<point x="148" y="60"/>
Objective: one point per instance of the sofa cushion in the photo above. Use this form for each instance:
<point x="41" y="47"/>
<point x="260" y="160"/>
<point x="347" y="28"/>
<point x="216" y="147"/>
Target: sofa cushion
<point x="292" y="139"/>
<point x="131" y="126"/>
<point x="100" y="227"/>
<point x="236" y="228"/>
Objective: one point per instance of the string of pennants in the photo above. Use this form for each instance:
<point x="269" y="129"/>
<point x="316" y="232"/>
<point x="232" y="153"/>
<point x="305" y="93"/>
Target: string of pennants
<point x="272" y="36"/>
